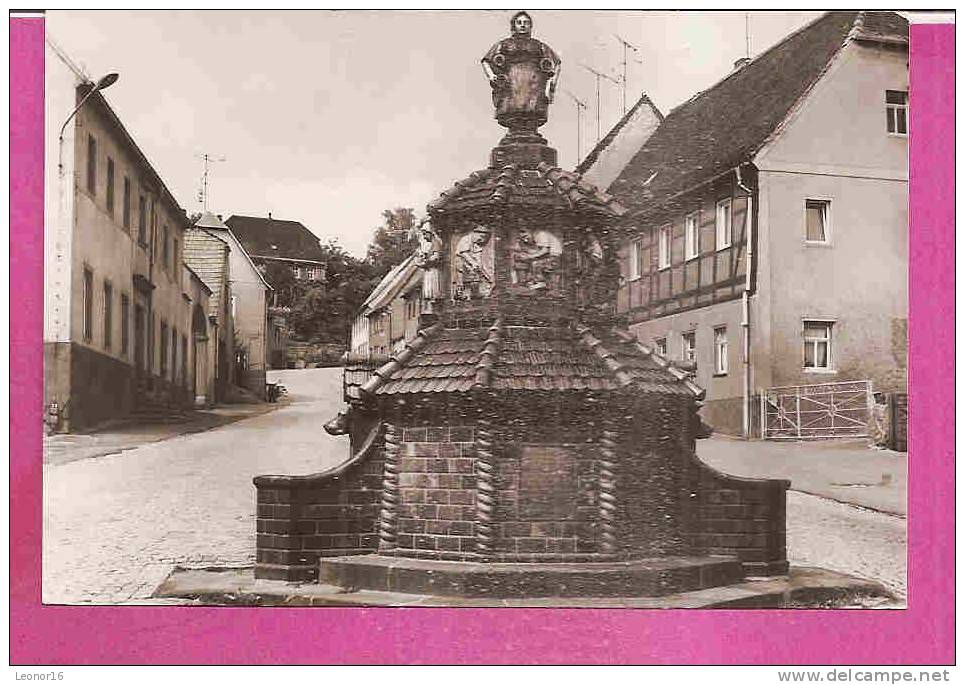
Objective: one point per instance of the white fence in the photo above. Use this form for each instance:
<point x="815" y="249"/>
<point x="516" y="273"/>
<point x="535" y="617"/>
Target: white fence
<point x="823" y="410"/>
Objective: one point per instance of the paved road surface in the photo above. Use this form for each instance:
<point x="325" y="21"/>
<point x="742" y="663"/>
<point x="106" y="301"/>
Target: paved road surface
<point x="845" y="470"/>
<point x="114" y="526"/>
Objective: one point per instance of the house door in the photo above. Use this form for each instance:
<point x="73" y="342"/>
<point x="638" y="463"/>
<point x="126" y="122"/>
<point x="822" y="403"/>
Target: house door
<point x="138" y="340"/>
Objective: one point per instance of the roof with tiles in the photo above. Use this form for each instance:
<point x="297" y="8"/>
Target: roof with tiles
<point x="267" y="237"/>
<point x="725" y="125"/>
<point x="540" y="358"/>
<point x="544" y="186"/>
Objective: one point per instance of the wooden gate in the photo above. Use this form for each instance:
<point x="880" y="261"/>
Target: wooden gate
<point x="824" y="410"/>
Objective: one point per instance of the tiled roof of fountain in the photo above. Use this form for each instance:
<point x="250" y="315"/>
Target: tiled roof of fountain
<point x="512" y="185"/>
<point x="548" y="358"/>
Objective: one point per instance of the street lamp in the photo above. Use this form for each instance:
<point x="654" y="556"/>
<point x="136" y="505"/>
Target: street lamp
<point x="103" y="82"/>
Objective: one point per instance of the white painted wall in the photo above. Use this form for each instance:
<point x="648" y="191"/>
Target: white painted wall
<point x="836" y="147"/>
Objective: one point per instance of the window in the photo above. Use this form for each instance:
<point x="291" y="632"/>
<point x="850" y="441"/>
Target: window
<point x="661" y="346"/>
<point x="689" y="348"/>
<point x="165" y="251"/>
<point x="164" y="350"/>
<point x="296" y="271"/>
<point x="175" y="256"/>
<point x="817" y="345"/>
<point x="817" y="220"/>
<point x="88" y="304"/>
<point x="635" y="259"/>
<point x="127" y="203"/>
<point x="720" y="351"/>
<point x="691" y="236"/>
<point x="125" y="323"/>
<point x="91" y="165"/>
<point x="663" y="247"/>
<point x="108" y="314"/>
<point x="142" y="220"/>
<point x="896" y="111"/>
<point x="723" y="223"/>
<point x="110" y="186"/>
<point x="153" y="228"/>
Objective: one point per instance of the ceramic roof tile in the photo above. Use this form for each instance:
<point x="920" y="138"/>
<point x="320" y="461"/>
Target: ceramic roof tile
<point x="525" y="358"/>
<point x="269" y="237"/>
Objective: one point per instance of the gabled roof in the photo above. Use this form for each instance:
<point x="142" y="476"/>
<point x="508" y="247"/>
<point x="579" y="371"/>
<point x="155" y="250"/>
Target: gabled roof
<point x="390" y="285"/>
<point x="509" y="358"/>
<point x="218" y="228"/>
<point x="269" y="237"/>
<point x="614" y="132"/>
<point x="725" y="125"/>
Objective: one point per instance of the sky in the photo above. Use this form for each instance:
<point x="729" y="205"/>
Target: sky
<point x="330" y="117"/>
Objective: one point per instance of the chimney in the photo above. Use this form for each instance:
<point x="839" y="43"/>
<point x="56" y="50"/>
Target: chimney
<point x="741" y="63"/>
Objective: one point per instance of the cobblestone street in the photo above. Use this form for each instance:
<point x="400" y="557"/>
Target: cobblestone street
<point x="116" y="525"/>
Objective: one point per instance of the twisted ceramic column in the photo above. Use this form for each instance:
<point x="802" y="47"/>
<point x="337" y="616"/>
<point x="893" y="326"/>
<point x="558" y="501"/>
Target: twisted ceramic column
<point x="388" y="514"/>
<point x="607" y="491"/>
<point x="485" y="488"/>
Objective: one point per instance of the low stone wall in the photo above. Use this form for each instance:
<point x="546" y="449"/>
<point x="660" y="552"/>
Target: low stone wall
<point x="303" y="518"/>
<point x="744" y="517"/>
<point x="546" y="505"/>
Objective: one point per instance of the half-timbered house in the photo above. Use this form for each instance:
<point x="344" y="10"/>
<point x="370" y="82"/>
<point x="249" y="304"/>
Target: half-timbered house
<point x="766" y="240"/>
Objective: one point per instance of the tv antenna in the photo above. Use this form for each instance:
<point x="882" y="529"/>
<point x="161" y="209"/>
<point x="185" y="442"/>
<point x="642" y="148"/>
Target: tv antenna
<point x="203" y="190"/>
<point x="580" y="106"/>
<point x="636" y="51"/>
<point x="747" y="33"/>
<point x="599" y="75"/>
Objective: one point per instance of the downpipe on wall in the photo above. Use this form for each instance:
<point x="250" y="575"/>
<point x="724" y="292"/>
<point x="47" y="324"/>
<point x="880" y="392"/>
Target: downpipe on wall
<point x="745" y="309"/>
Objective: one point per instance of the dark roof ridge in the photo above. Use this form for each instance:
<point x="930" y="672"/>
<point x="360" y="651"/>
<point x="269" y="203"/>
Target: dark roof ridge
<point x="396" y="361"/>
<point x="755" y="58"/>
<point x="660" y="360"/>
<point x="487" y="357"/>
<point x="595" y="345"/>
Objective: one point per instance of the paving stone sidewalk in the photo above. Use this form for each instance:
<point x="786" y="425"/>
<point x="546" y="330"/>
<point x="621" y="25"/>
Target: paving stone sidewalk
<point x="127" y="435"/>
<point x="847" y="471"/>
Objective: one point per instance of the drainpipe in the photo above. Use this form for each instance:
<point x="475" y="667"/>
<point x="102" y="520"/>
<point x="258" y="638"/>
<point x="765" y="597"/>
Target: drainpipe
<point x="745" y="307"/>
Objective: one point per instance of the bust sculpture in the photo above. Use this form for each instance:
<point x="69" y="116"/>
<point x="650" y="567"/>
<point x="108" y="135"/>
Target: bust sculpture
<point x="523" y="73"/>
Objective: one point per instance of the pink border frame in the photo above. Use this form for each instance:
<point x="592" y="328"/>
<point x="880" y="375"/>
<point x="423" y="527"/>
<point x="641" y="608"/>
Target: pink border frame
<point x="922" y="634"/>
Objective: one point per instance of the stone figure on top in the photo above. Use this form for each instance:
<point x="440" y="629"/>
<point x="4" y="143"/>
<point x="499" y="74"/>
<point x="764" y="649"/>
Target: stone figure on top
<point x="523" y="73"/>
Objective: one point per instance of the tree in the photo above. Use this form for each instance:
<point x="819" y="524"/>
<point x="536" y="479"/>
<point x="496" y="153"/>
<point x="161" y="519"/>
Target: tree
<point x="393" y="241"/>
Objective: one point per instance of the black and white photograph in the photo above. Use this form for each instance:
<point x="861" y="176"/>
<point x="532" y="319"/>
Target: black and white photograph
<point x="452" y="308"/>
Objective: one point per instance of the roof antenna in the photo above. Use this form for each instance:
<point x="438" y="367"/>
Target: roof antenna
<point x="626" y="44"/>
<point x="580" y="106"/>
<point x="747" y="33"/>
<point x="599" y="75"/>
<point x="203" y="190"/>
